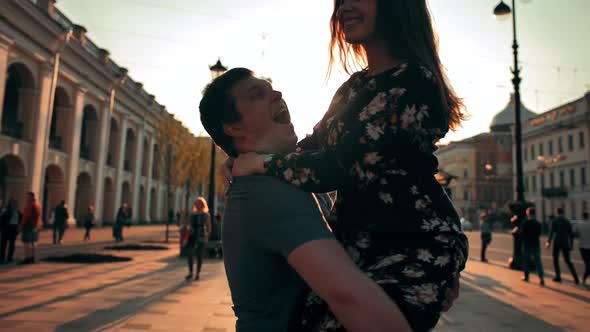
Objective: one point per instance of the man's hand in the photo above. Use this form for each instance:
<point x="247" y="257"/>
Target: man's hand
<point x="451" y="294"/>
<point x="248" y="164"/>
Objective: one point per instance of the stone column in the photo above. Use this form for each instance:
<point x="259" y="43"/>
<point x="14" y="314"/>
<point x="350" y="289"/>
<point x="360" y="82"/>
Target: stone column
<point x="105" y="122"/>
<point x="42" y="118"/>
<point x="148" y="190"/>
<point x="137" y="172"/>
<point x="120" y="171"/>
<point x="74" y="162"/>
<point x="5" y="44"/>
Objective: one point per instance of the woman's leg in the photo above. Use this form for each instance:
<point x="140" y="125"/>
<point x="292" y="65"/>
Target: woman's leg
<point x="199" y="257"/>
<point x="190" y="262"/>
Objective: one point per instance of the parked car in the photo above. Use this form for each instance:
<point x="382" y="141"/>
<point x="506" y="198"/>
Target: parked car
<point x="466" y="225"/>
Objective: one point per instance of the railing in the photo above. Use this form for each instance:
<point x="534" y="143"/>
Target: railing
<point x="55" y="143"/>
<point x="92" y="49"/>
<point x="13" y="129"/>
<point x="62" y="20"/>
<point x="85" y="152"/>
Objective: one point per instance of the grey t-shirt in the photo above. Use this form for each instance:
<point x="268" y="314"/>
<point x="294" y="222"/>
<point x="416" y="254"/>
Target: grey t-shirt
<point x="265" y="220"/>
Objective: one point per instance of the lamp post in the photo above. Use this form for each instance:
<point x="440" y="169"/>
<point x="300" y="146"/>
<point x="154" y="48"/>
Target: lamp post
<point x="541" y="167"/>
<point x="502" y="12"/>
<point x="216" y="70"/>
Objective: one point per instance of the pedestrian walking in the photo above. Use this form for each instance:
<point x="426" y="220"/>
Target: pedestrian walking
<point x="561" y="235"/>
<point x="200" y="229"/>
<point x="89" y="222"/>
<point x="531" y="234"/>
<point x="60" y="219"/>
<point x="29" y="225"/>
<point x="583" y="232"/>
<point x="9" y="220"/>
<point x="486" y="234"/>
<point x="123" y="219"/>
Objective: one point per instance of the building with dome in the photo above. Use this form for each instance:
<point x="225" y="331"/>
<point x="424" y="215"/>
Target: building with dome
<point x="481" y="166"/>
<point x="556" y="159"/>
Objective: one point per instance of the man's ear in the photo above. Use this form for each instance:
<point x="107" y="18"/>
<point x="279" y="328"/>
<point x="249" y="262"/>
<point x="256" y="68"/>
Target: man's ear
<point x="234" y="130"/>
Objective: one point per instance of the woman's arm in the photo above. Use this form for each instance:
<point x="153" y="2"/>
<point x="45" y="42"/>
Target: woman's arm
<point x="396" y="121"/>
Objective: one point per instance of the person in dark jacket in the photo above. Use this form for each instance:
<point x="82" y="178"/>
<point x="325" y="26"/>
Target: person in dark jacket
<point x="89" y="221"/>
<point x="9" y="220"/>
<point x="562" y="235"/>
<point x="60" y="218"/>
<point x="486" y="234"/>
<point x="200" y="228"/>
<point x="123" y="219"/>
<point x="531" y="233"/>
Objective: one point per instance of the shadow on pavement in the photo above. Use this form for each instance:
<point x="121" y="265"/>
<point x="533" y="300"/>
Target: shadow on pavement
<point x="476" y="311"/>
<point x="169" y="267"/>
<point x="117" y="314"/>
<point x="488" y="283"/>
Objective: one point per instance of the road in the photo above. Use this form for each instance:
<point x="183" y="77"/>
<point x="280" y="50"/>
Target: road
<point x="500" y="250"/>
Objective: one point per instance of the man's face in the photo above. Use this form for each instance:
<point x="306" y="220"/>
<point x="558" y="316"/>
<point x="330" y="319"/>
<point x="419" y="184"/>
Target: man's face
<point x="266" y="122"/>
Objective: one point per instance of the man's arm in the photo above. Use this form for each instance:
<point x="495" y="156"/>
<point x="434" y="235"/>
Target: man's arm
<point x="356" y="300"/>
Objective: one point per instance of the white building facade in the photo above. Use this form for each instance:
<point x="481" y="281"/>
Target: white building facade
<point x="556" y="159"/>
<point x="74" y="125"/>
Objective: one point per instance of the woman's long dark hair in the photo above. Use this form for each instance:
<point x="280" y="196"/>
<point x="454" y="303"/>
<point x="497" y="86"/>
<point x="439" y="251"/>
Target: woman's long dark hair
<point x="406" y="26"/>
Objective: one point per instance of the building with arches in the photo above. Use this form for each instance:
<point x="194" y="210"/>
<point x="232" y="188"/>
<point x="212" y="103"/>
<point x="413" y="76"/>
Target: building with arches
<point x="74" y="125"/>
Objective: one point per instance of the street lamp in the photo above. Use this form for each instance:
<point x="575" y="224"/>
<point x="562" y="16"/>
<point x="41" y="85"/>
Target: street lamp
<point x="216" y="70"/>
<point x="502" y="12"/>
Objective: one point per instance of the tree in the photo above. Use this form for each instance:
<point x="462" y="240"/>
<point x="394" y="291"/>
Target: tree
<point x="169" y="135"/>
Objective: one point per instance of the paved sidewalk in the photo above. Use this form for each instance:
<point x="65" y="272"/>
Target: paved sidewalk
<point x="100" y="237"/>
<point x="493" y="298"/>
<point x="149" y="294"/>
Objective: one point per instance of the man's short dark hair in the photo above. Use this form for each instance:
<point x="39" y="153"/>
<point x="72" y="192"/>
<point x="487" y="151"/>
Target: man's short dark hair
<point x="531" y="211"/>
<point x="218" y="107"/>
<point x="560" y="212"/>
<point x="31" y="194"/>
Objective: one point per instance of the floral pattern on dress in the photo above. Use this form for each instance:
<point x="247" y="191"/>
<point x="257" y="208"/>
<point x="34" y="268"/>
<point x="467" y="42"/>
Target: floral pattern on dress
<point x="375" y="146"/>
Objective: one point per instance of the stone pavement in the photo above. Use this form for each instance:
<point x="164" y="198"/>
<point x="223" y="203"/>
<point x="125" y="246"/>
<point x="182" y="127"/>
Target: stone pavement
<point x="493" y="298"/>
<point x="149" y="294"/>
<point x="100" y="236"/>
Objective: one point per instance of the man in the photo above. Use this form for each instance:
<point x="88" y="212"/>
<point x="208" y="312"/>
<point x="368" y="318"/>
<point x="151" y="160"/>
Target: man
<point x="123" y="219"/>
<point x="486" y="234"/>
<point x="10" y="219"/>
<point x="531" y="233"/>
<point x="29" y="225"/>
<point x="274" y="234"/>
<point x="60" y="218"/>
<point x="562" y="236"/>
<point x="89" y="221"/>
<point x="583" y="232"/>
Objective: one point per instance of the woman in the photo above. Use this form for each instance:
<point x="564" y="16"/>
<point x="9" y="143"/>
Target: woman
<point x="375" y="145"/>
<point x="200" y="228"/>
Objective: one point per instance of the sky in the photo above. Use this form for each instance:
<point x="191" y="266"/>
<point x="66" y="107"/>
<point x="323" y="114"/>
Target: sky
<point x="169" y="45"/>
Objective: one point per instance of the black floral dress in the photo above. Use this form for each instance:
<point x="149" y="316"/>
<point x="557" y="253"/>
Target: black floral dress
<point x="375" y="146"/>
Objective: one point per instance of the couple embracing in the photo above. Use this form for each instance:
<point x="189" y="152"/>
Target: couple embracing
<point x="388" y="255"/>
